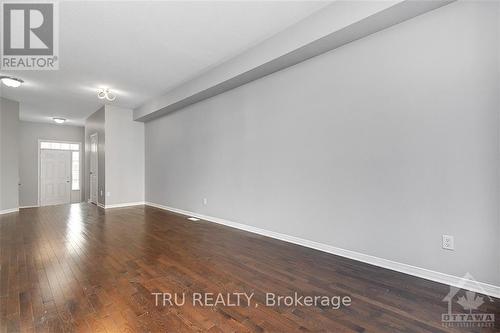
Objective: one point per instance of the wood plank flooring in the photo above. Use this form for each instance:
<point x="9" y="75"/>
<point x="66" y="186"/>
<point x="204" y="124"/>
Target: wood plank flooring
<point x="77" y="268"/>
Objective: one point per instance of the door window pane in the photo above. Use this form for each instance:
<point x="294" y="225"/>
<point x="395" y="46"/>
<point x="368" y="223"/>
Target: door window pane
<point x="75" y="171"/>
<point x="59" y="146"/>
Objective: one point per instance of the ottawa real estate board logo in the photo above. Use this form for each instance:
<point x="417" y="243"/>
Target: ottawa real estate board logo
<point x="465" y="306"/>
<point x="29" y="36"/>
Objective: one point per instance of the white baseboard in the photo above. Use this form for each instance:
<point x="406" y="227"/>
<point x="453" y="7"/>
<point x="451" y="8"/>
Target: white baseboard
<point x="8" y="211"/>
<point x="100" y="205"/>
<point x="24" y="207"/>
<point x="424" y="273"/>
<point x="126" y="204"/>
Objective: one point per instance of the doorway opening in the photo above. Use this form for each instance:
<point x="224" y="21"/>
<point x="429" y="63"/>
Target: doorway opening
<point x="94" y="169"/>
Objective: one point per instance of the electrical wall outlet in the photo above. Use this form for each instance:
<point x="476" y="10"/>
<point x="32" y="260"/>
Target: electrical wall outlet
<point x="205" y="201"/>
<point x="448" y="242"/>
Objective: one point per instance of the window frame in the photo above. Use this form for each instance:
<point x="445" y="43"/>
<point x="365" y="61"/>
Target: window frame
<point x="77" y="152"/>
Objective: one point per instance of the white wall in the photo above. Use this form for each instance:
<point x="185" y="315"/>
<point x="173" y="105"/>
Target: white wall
<point x="30" y="133"/>
<point x="124" y="157"/>
<point x="380" y="146"/>
<point x="9" y="155"/>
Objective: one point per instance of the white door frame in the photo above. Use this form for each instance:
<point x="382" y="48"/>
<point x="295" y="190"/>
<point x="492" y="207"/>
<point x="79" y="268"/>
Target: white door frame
<point x="39" y="165"/>
<point x="96" y="135"/>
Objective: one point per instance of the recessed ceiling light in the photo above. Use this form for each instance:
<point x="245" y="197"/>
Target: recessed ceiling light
<point x="105" y="93"/>
<point x="59" y="120"/>
<point x="12" y="82"/>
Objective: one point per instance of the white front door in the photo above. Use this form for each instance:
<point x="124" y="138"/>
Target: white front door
<point x="93" y="168"/>
<point x="55" y="177"/>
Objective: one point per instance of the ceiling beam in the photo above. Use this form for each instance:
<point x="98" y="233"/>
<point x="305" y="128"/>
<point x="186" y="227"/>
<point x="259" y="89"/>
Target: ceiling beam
<point x="337" y="24"/>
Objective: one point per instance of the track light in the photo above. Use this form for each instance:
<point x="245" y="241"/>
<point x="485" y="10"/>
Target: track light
<point x="12" y="82"/>
<point x="105" y="93"/>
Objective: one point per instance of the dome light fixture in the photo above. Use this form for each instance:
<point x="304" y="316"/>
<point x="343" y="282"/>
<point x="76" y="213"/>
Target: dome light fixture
<point x="10" y="81"/>
<point x="59" y="120"/>
<point x="105" y="93"/>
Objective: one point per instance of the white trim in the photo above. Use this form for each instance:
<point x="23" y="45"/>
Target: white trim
<point x="126" y="204"/>
<point x="96" y="134"/>
<point x="8" y="211"/>
<point x="423" y="273"/>
<point x="80" y="150"/>
<point x="100" y="205"/>
<point x="24" y="207"/>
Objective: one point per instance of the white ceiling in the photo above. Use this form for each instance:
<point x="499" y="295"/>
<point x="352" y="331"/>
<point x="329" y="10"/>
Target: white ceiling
<point x="142" y="49"/>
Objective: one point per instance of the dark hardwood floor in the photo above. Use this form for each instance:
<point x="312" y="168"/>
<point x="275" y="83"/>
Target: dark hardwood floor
<point x="78" y="268"/>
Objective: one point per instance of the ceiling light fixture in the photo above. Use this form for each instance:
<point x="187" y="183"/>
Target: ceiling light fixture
<point x="105" y="93"/>
<point x="59" y="120"/>
<point x="12" y="82"/>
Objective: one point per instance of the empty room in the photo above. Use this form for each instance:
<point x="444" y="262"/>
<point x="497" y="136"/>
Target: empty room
<point x="250" y="166"/>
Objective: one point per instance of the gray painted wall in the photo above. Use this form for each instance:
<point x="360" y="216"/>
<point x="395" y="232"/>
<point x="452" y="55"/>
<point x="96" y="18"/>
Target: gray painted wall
<point x="380" y="146"/>
<point x="1" y="155"/>
<point x="124" y="157"/>
<point x="95" y="123"/>
<point x="9" y="154"/>
<point x="28" y="166"/>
